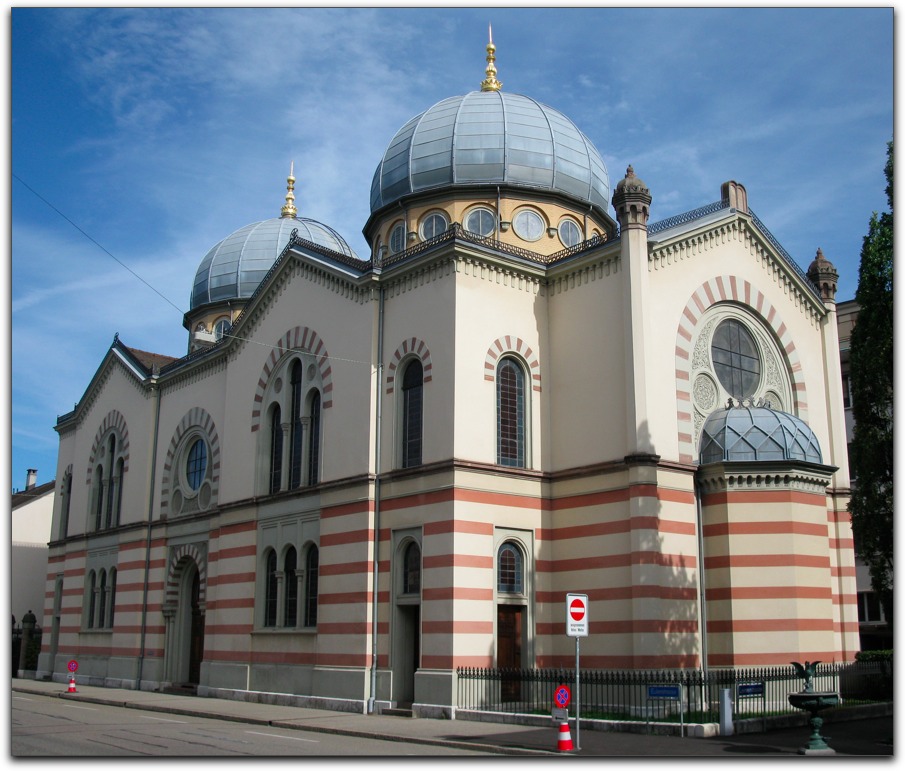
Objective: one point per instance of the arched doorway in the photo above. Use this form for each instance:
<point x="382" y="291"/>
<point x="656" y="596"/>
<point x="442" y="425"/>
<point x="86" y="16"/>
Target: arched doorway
<point x="184" y="614"/>
<point x="407" y="624"/>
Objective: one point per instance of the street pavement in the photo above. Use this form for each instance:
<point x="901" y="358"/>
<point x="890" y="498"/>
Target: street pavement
<point x="863" y="737"/>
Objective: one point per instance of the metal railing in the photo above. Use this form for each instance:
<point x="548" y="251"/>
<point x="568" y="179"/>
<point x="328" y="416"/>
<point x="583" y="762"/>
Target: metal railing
<point x="624" y="694"/>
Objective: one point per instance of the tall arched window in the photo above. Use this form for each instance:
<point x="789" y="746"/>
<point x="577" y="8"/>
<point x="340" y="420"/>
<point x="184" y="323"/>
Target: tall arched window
<point x="510" y="570"/>
<point x="111" y="591"/>
<point x="296" y="426"/>
<point x="118" y="507"/>
<point x="412" y="412"/>
<point x="111" y="483"/>
<point x="270" y="589"/>
<point x="67" y="497"/>
<point x="92" y="600"/>
<point x="291" y="593"/>
<point x="510" y="403"/>
<point x="411" y="569"/>
<point x="311" y="562"/>
<point x="99" y="497"/>
<point x="314" y="434"/>
<point x="276" y="450"/>
<point x="102" y="601"/>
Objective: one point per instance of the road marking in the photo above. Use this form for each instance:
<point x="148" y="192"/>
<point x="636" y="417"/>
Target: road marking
<point x="280" y="736"/>
<point x="22" y="698"/>
<point x="164" y="719"/>
<point x="90" y="709"/>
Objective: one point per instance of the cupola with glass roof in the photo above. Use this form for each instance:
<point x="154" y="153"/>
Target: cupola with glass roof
<point x="757" y="432"/>
<point x="491" y="138"/>
<point x="234" y="267"/>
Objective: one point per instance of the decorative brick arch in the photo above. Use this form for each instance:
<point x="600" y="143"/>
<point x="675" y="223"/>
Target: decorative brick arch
<point x="415" y="347"/>
<point x="716" y="290"/>
<point x="301" y="339"/>
<point x="511" y="344"/>
<point x="115" y="421"/>
<point x="195" y="418"/>
<point x="179" y="555"/>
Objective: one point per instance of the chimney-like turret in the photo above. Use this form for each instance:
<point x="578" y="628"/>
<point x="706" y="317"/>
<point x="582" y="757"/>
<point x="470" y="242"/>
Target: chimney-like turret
<point x="31" y="479"/>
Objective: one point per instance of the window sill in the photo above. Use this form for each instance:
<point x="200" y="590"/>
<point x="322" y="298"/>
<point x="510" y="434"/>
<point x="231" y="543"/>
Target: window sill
<point x="285" y="630"/>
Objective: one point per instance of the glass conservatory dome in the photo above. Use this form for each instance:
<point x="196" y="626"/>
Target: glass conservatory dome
<point x="757" y="433"/>
<point x="491" y="138"/>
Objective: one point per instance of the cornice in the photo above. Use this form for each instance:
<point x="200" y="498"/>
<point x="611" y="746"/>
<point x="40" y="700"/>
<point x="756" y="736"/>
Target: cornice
<point x="765" y="477"/>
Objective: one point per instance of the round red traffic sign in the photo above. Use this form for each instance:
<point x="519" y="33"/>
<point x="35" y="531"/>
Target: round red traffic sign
<point x="73" y="666"/>
<point x="562" y="696"/>
<point x="577" y="609"/>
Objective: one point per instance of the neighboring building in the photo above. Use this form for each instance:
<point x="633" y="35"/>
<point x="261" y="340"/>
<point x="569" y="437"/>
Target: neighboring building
<point x="32" y="511"/>
<point x="874" y="632"/>
<point x="369" y="471"/>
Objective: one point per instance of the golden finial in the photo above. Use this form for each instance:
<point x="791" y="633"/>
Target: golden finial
<point x="289" y="209"/>
<point x="490" y="83"/>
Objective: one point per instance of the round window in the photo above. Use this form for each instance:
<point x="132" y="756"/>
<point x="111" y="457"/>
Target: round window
<point x="220" y="328"/>
<point x="433" y="225"/>
<point x="569" y="233"/>
<point x="480" y="221"/>
<point x="397" y="238"/>
<point x="529" y="225"/>
<point x="196" y="464"/>
<point x="736" y="358"/>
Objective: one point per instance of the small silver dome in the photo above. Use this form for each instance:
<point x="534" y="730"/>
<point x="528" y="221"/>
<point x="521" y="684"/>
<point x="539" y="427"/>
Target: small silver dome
<point x="491" y="138"/>
<point x="738" y="433"/>
<point x="233" y="268"/>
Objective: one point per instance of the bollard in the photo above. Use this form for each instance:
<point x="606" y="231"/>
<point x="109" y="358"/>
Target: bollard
<point x="727" y="728"/>
<point x="72" y="684"/>
<point x="564" y="741"/>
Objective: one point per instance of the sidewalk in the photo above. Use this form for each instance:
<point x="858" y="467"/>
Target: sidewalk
<point x="852" y="738"/>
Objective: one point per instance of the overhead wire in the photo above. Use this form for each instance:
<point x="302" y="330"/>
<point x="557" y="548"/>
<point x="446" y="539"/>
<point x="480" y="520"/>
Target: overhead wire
<point x="150" y="286"/>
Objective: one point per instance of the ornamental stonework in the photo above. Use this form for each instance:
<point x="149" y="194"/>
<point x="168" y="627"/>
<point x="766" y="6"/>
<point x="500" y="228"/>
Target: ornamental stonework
<point x="705" y="393"/>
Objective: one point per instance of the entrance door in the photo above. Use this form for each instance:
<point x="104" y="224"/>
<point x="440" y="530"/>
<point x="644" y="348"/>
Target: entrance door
<point x="409" y="652"/>
<point x="196" y="645"/>
<point x="509" y="649"/>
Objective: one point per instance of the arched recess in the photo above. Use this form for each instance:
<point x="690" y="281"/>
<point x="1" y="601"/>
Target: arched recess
<point x="722" y="289"/>
<point x="415" y="347"/>
<point x="197" y="420"/>
<point x="184" y="613"/>
<point x="296" y="339"/>
<point x="178" y="558"/>
<point x="512" y="344"/>
<point x="114" y="421"/>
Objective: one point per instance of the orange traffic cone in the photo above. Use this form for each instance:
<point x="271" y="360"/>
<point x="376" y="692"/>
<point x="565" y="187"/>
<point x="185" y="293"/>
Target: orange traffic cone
<point x="565" y="738"/>
<point x="73" y="690"/>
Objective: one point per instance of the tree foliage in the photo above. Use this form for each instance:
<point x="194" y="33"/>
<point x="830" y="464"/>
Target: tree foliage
<point x="871" y="358"/>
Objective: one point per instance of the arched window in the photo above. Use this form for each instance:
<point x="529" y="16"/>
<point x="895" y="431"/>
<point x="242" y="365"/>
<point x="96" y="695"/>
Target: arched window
<point x="314" y="435"/>
<point x="736" y="358"/>
<point x="311" y="560"/>
<point x="397" y="238"/>
<point x="67" y="497"/>
<point x="411" y="569"/>
<point x="291" y="593"/>
<point x="99" y="497"/>
<point x="111" y="483"/>
<point x="433" y="225"/>
<point x="112" y="594"/>
<point x="92" y="600"/>
<point x="270" y="589"/>
<point x="118" y="506"/>
<point x="510" y="402"/>
<point x="412" y="412"/>
<point x="102" y="601"/>
<point x="510" y="572"/>
<point x="276" y="449"/>
<point x="296" y="426"/>
<point x="196" y="464"/>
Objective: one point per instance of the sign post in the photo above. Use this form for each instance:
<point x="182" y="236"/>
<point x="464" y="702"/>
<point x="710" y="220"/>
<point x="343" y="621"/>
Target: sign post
<point x="577" y="627"/>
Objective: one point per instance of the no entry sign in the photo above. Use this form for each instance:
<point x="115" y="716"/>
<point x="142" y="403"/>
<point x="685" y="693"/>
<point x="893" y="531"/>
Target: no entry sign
<point x="577" y="615"/>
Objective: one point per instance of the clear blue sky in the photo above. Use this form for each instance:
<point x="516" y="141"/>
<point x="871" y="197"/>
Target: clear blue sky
<point x="158" y="132"/>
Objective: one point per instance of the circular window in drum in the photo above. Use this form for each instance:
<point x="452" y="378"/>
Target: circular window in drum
<point x="529" y="225"/>
<point x="482" y="222"/>
<point x="196" y="464"/>
<point x="220" y="328"/>
<point x="433" y="225"/>
<point x="397" y="238"/>
<point x="569" y="233"/>
<point x="736" y="359"/>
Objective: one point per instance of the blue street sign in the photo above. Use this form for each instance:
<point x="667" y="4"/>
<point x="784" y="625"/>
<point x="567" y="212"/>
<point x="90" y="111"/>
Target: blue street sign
<point x="663" y="692"/>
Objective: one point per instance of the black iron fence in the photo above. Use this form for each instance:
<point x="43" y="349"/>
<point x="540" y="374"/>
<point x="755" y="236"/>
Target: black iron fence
<point x="653" y="695"/>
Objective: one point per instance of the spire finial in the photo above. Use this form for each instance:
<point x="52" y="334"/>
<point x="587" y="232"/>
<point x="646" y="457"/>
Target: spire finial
<point x="289" y="209"/>
<point x="490" y="83"/>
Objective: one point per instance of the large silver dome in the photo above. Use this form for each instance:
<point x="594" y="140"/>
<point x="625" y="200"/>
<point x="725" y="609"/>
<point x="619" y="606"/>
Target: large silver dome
<point x="491" y="138"/>
<point x="233" y="268"/>
<point x="738" y="433"/>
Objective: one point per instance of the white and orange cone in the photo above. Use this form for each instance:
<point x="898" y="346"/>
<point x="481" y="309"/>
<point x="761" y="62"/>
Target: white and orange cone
<point x="564" y="744"/>
<point x="72" y="685"/>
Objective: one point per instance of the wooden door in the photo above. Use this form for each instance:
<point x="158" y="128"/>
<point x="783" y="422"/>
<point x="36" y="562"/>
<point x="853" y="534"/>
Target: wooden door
<point x="509" y="649"/>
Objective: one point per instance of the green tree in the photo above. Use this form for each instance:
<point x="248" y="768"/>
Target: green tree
<point x="871" y="456"/>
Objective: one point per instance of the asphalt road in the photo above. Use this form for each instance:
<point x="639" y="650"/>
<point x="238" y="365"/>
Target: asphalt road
<point x="45" y="726"/>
